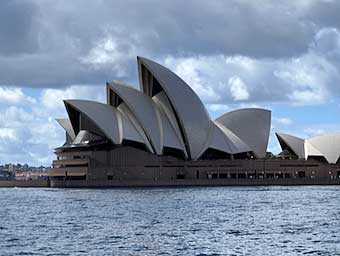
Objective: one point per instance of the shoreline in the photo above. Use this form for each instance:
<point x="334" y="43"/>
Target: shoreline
<point x="24" y="184"/>
<point x="168" y="183"/>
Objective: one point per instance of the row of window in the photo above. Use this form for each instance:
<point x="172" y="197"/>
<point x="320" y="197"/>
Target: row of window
<point x="253" y="175"/>
<point x="72" y="157"/>
<point x="83" y="177"/>
<point x="298" y="174"/>
<point x="222" y="175"/>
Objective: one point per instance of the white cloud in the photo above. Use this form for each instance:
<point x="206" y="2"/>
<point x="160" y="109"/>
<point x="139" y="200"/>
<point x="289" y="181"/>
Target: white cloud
<point x="312" y="132"/>
<point x="8" y="134"/>
<point x="283" y="120"/>
<point x="14" y="116"/>
<point x="26" y="132"/>
<point x="251" y="105"/>
<point x="188" y="70"/>
<point x="11" y="95"/>
<point x="238" y="89"/>
<point x="29" y="133"/>
<point x="309" y="79"/>
<point x="104" y="52"/>
<point x="218" y="107"/>
<point x="307" y="97"/>
<point x="327" y="42"/>
<point x="108" y="52"/>
<point x="53" y="98"/>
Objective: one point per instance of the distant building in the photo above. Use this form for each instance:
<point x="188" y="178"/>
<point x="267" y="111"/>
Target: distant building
<point x="11" y="168"/>
<point x="31" y="176"/>
<point x="22" y="172"/>
<point x="5" y="175"/>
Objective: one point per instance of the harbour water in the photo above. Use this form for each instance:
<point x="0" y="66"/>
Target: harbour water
<point x="185" y="221"/>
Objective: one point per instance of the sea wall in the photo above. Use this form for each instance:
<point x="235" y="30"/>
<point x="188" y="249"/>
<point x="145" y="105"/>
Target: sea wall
<point x="191" y="182"/>
<point x="23" y="183"/>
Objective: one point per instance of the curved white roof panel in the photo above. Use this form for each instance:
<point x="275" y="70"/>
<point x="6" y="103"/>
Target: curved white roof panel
<point x="222" y="139"/>
<point x="295" y="144"/>
<point x="218" y="140"/>
<point x="85" y="137"/>
<point x="328" y="145"/>
<point x="131" y="128"/>
<point x="192" y="116"/>
<point x="169" y="136"/>
<point x="66" y="124"/>
<point x="310" y="150"/>
<point x="102" y="115"/>
<point x="237" y="145"/>
<point x="144" y="111"/>
<point x="251" y="125"/>
<point x="164" y="107"/>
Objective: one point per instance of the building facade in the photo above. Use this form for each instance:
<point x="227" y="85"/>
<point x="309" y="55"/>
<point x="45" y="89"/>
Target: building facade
<point x="163" y="135"/>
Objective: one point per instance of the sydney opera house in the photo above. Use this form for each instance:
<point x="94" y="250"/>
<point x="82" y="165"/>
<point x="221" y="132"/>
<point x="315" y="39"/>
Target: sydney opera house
<point x="162" y="135"/>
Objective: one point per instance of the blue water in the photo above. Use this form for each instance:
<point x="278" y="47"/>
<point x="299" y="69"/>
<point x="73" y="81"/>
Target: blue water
<point x="185" y="221"/>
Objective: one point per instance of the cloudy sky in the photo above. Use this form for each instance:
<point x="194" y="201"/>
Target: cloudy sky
<point x="280" y="55"/>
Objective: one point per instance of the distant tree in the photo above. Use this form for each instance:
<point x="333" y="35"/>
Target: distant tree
<point x="269" y="155"/>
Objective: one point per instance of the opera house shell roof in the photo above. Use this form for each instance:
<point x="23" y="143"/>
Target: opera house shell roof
<point x="325" y="146"/>
<point x="164" y="114"/>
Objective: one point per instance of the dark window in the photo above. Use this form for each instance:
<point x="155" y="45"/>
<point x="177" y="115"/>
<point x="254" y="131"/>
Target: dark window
<point x="134" y="144"/>
<point x="241" y="156"/>
<point x="156" y="87"/>
<point x="279" y="176"/>
<point x="75" y="165"/>
<point x="318" y="158"/>
<point x="109" y="177"/>
<point x="211" y="153"/>
<point x="301" y="174"/>
<point x="260" y="176"/>
<point x="197" y="174"/>
<point x="269" y="175"/>
<point x="233" y="175"/>
<point x="167" y="151"/>
<point x="180" y="176"/>
<point x="76" y="177"/>
<point x="251" y="175"/>
<point x="214" y="176"/>
<point x="223" y="175"/>
<point x="287" y="175"/>
<point x="57" y="178"/>
<point x="242" y="176"/>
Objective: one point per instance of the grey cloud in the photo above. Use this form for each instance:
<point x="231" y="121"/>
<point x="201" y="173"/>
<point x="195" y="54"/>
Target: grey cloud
<point x="18" y="27"/>
<point x="58" y="34"/>
<point x="311" y="78"/>
<point x="324" y="13"/>
<point x="196" y="27"/>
